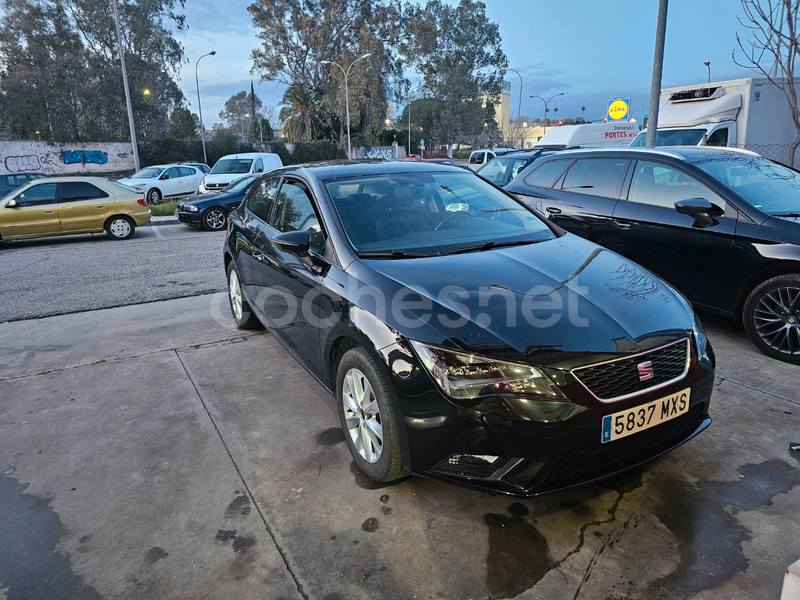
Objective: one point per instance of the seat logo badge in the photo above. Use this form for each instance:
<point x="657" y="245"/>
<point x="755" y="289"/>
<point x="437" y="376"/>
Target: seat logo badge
<point x="645" y="371"/>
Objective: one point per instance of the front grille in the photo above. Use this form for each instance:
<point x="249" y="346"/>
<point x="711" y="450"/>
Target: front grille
<point x="596" y="460"/>
<point x="619" y="378"/>
<point x="216" y="186"/>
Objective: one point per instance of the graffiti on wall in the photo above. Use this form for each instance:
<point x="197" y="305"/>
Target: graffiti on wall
<point x="64" y="159"/>
<point x="28" y="162"/>
<point x="382" y="152"/>
<point x="72" y="157"/>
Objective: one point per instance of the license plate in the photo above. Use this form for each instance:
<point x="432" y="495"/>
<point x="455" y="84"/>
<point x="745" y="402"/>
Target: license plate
<point x="644" y="416"/>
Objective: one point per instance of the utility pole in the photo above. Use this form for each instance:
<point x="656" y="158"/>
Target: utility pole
<point x="658" y="65"/>
<point x="134" y="144"/>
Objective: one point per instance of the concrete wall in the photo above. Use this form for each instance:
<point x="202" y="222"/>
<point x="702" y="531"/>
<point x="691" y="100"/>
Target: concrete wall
<point x="64" y="158"/>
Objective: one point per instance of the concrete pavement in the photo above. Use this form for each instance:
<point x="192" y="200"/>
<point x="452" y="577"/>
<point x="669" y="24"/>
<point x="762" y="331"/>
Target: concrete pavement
<point x="155" y="451"/>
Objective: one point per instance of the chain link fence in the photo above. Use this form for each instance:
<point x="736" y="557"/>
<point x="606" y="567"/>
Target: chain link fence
<point x="777" y="152"/>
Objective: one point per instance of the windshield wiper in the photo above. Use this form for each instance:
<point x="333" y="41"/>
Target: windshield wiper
<point x="486" y="246"/>
<point x="787" y="215"/>
<point x="391" y="254"/>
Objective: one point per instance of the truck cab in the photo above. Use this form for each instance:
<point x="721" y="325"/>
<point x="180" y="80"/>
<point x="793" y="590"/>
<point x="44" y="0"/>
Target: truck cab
<point x="707" y="134"/>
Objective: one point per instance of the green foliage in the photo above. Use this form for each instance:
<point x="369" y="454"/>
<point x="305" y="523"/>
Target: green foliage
<point x="261" y="130"/>
<point x="183" y="125"/>
<point x="301" y="114"/>
<point x="240" y="109"/>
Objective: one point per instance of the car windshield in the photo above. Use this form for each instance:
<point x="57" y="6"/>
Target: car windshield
<point x="766" y="185"/>
<point x="415" y="214"/>
<point x="228" y="166"/>
<point x="671" y="137"/>
<point x="148" y="173"/>
<point x="239" y="185"/>
<point x="502" y="170"/>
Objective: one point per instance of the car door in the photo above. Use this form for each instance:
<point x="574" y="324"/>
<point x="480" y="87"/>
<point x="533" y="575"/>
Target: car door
<point x="286" y="285"/>
<point x="83" y="207"/>
<point x="255" y="215"/>
<point x="691" y="255"/>
<point x="190" y="180"/>
<point x="583" y="200"/>
<point x="170" y="182"/>
<point x="36" y="212"/>
<point x="534" y="185"/>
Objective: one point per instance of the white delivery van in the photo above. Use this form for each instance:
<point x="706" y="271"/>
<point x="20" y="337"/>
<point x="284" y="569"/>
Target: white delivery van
<point x="741" y="113"/>
<point x="484" y="155"/>
<point x="588" y="135"/>
<point x="234" y="166"/>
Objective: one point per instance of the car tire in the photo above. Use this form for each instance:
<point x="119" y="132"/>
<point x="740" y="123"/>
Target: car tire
<point x="771" y="317"/>
<point x="369" y="417"/>
<point x="214" y="219"/>
<point x="120" y="227"/>
<point x="240" y="308"/>
<point x="153" y="196"/>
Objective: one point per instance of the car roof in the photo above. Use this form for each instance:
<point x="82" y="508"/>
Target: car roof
<point x="688" y="154"/>
<point x="248" y="155"/>
<point x="337" y="169"/>
<point x="68" y="178"/>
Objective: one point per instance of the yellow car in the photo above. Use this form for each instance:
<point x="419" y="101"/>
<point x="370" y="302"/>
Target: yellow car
<point x="68" y="205"/>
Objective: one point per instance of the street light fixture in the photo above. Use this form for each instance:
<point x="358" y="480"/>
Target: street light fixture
<point x="519" y="104"/>
<point x="146" y="92"/>
<point x="199" y="107"/>
<point x="346" y="91"/>
<point x="546" y="110"/>
<point x="707" y="63"/>
<point x="134" y="144"/>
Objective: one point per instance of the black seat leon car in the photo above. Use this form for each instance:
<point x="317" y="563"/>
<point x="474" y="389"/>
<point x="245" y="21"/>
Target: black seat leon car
<point x="721" y="225"/>
<point x="463" y="336"/>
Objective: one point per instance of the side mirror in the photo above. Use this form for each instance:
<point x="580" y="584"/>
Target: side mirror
<point x="164" y="176"/>
<point x="258" y="171"/>
<point x="294" y="242"/>
<point x="699" y="209"/>
<point x="12" y="204"/>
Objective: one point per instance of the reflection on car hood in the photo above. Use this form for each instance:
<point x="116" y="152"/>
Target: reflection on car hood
<point x="609" y="304"/>
<point x="210" y="196"/>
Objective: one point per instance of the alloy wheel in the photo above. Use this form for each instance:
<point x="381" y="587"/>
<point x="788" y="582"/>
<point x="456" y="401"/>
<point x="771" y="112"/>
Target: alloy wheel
<point x="215" y="219"/>
<point x="362" y="415"/>
<point x="777" y="319"/>
<point x="235" y="294"/>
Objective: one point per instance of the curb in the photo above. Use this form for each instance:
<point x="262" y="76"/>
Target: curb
<point x="155" y="221"/>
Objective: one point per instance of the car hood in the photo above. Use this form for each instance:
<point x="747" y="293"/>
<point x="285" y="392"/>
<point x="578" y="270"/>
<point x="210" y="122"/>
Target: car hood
<point x="212" y="196"/>
<point x="565" y="295"/>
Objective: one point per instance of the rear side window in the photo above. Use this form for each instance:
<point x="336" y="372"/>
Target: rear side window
<point x="547" y="174"/>
<point x="261" y="197"/>
<point x="72" y="191"/>
<point x="596" y="177"/>
<point x="187" y="172"/>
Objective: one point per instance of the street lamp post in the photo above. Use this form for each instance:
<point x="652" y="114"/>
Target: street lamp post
<point x="519" y="104"/>
<point x="707" y="63"/>
<point x="199" y="107"/>
<point x="134" y="144"/>
<point x="346" y="91"/>
<point x="546" y="102"/>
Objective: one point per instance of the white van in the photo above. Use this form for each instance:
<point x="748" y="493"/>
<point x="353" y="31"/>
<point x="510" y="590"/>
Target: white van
<point x="234" y="166"/>
<point x="484" y="155"/>
<point x="619" y="133"/>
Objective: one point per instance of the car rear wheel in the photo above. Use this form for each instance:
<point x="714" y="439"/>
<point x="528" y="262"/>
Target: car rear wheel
<point x="369" y="418"/>
<point x="120" y="227"/>
<point x="153" y="196"/>
<point x="214" y="219"/>
<point x="240" y="308"/>
<point x="771" y="317"/>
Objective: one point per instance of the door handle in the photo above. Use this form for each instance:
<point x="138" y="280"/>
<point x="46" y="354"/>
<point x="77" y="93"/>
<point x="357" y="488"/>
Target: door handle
<point x="553" y="210"/>
<point x="623" y="224"/>
<point x="49" y="212"/>
<point x="100" y="206"/>
<point x="259" y="257"/>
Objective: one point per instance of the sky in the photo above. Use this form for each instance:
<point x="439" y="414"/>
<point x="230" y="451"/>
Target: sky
<point x="590" y="50"/>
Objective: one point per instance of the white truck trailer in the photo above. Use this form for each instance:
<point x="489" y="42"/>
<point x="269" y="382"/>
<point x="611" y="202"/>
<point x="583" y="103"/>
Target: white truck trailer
<point x="618" y="133"/>
<point x="742" y="113"/>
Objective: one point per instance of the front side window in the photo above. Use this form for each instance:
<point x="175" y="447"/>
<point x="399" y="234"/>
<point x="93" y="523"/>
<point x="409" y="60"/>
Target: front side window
<point x="294" y="211"/>
<point x="171" y="173"/>
<point x="37" y="195"/>
<point x="476" y="158"/>
<point x="660" y="185"/>
<point x="259" y="168"/>
<point x="72" y="191"/>
<point x="228" y="166"/>
<point x="596" y="176"/>
<point x="718" y="138"/>
<point x="259" y="202"/>
<point x="423" y="214"/>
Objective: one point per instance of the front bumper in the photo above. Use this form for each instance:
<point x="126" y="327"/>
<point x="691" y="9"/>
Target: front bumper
<point x="481" y="449"/>
<point x="189" y="218"/>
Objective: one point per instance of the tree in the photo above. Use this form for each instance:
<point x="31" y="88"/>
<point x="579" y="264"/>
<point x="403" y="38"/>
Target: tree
<point x="300" y="114"/>
<point x="261" y="130"/>
<point x="183" y="124"/>
<point x="457" y="49"/>
<point x="239" y="110"/>
<point x="772" y="49"/>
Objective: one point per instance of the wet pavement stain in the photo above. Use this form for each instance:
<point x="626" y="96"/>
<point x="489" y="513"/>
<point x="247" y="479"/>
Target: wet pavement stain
<point x="518" y="509"/>
<point x="30" y="567"/>
<point x="155" y="554"/>
<point x="518" y="555"/>
<point x="370" y="525"/>
<point x="330" y="437"/>
<point x="225" y="535"/>
<point x="365" y="483"/>
<point x="709" y="539"/>
<point x="240" y="507"/>
<point x="242" y="543"/>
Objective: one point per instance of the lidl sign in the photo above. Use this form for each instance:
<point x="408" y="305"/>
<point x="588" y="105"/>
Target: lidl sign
<point x="618" y="109"/>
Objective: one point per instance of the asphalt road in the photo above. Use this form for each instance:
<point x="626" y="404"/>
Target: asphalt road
<point x="55" y="276"/>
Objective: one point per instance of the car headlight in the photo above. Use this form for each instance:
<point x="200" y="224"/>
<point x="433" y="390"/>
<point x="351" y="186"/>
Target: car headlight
<point x="190" y="208"/>
<point x="700" y="337"/>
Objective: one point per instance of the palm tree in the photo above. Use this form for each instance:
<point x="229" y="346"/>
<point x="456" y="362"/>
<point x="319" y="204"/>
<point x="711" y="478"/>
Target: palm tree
<point x="300" y="114"/>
